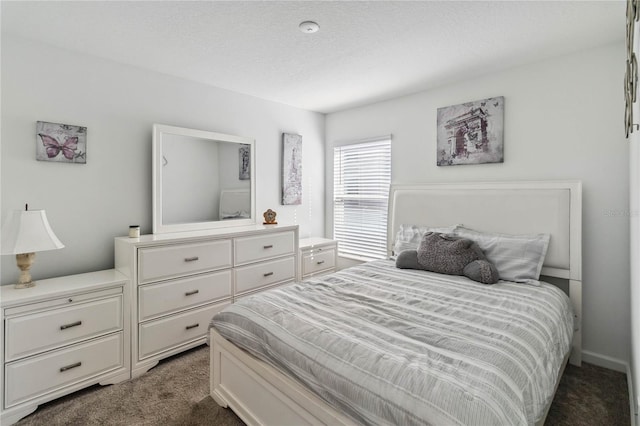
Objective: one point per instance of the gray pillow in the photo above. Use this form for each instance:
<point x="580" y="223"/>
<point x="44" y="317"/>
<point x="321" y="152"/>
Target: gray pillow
<point x="482" y="271"/>
<point x="407" y="259"/>
<point x="518" y="257"/>
<point x="447" y="254"/>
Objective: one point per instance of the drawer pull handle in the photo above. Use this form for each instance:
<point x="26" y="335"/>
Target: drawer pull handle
<point x="191" y="259"/>
<point x="268" y="274"/>
<point x="268" y="247"/>
<point x="320" y="262"/>
<point x="189" y="293"/>
<point x="73" y="324"/>
<point x="189" y="327"/>
<point x="70" y="366"/>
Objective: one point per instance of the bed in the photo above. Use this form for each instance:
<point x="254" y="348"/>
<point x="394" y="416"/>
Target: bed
<point x="449" y="381"/>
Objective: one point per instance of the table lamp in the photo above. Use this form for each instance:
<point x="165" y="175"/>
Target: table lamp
<point x="24" y="233"/>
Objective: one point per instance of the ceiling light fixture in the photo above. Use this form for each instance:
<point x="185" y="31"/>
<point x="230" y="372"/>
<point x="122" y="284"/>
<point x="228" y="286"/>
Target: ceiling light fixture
<point x="309" y="27"/>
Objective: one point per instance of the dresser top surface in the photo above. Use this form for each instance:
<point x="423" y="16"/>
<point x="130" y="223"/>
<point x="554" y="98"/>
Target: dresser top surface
<point x="60" y="287"/>
<point x="234" y="231"/>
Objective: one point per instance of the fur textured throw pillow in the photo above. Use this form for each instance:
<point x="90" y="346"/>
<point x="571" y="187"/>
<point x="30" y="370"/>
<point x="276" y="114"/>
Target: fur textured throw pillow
<point x="447" y="254"/>
<point x="407" y="259"/>
<point x="482" y="271"/>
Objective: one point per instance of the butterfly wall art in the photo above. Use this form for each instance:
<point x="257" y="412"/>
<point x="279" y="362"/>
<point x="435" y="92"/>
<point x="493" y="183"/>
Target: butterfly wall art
<point x="61" y="143"/>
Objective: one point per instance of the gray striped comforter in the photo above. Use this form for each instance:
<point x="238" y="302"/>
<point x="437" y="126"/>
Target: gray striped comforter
<point x="403" y="347"/>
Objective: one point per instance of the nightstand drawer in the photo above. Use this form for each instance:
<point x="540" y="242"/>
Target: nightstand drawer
<point x="319" y="260"/>
<point x="264" y="274"/>
<point x="172" y="296"/>
<point x="183" y="259"/>
<point x="36" y="376"/>
<point x="170" y="332"/>
<point x="37" y="332"/>
<point x="262" y="247"/>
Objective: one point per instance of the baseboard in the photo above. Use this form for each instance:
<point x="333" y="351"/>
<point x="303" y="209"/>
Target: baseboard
<point x="633" y="405"/>
<point x="616" y="365"/>
<point x="605" y="361"/>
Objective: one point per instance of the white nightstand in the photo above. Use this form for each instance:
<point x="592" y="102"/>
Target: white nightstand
<point x="60" y="336"/>
<point x="318" y="256"/>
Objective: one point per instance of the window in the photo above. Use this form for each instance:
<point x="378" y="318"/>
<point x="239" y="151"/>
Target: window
<point x="361" y="178"/>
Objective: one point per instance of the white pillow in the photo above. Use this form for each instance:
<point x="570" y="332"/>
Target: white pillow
<point x="517" y="257"/>
<point x="409" y="236"/>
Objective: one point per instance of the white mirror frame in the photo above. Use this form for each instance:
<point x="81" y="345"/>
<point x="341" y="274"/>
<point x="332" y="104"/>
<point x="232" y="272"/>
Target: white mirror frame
<point x="161" y="129"/>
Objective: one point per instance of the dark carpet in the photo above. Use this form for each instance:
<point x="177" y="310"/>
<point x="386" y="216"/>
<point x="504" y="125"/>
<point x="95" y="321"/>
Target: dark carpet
<point x="590" y="395"/>
<point x="176" y="392"/>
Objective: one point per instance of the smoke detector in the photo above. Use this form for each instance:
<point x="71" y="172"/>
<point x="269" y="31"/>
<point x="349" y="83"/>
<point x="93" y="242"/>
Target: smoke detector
<point x="309" y="27"/>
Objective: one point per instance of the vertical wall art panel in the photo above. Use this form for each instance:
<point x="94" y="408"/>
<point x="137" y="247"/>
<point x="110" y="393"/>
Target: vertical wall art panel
<point x="244" y="172"/>
<point x="291" y="169"/>
<point x="62" y="143"/>
<point x="631" y="72"/>
<point x="471" y="133"/>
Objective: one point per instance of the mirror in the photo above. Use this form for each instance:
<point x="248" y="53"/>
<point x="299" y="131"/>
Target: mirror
<point x="201" y="180"/>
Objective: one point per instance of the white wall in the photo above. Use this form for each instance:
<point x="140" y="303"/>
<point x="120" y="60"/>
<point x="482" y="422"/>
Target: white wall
<point x="88" y="205"/>
<point x="634" y="215"/>
<point x="563" y="120"/>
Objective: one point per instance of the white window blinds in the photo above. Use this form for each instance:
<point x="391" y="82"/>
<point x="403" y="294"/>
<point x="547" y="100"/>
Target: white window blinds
<point x="361" y="178"/>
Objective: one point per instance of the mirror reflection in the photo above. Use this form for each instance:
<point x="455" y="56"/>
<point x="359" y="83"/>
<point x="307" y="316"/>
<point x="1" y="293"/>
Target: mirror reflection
<point x="202" y="180"/>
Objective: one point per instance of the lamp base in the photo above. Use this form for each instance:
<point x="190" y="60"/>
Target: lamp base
<point x="24" y="262"/>
<point x="25" y="285"/>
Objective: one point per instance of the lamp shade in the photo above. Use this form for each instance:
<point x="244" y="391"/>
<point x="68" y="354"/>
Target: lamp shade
<point x="28" y="231"/>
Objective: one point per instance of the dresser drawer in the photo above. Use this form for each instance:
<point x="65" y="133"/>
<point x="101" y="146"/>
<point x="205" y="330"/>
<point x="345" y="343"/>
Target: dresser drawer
<point x="33" y="333"/>
<point x="263" y="274"/>
<point x="166" y="297"/>
<point x="170" y="332"/>
<point x="319" y="260"/>
<point x="262" y="247"/>
<point x="36" y="376"/>
<point x="160" y="263"/>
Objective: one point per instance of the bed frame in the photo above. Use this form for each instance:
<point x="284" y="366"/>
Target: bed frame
<point x="261" y="395"/>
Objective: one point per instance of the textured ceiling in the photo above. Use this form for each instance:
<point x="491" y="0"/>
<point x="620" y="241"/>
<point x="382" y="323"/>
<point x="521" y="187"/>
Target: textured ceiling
<point x="364" y="51"/>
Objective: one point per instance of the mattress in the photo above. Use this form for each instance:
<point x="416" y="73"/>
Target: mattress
<point x="394" y="346"/>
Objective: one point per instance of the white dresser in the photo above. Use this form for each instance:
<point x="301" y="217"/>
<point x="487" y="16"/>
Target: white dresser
<point x="180" y="280"/>
<point x="318" y="256"/>
<point x="62" y="335"/>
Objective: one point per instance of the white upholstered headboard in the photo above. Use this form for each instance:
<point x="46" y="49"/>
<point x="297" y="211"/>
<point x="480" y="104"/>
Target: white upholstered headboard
<point x="507" y="207"/>
<point x="553" y="207"/>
